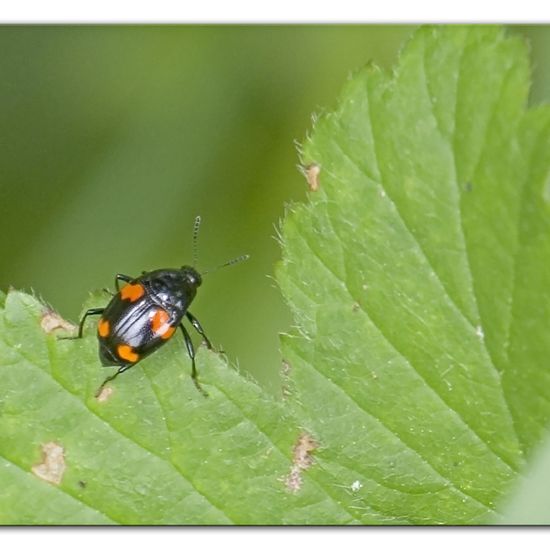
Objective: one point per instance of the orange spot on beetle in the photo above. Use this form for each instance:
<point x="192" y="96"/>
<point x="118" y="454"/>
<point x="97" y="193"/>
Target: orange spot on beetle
<point x="127" y="353"/>
<point x="160" y="324"/>
<point x="168" y="333"/>
<point x="132" y="292"/>
<point x="103" y="328"/>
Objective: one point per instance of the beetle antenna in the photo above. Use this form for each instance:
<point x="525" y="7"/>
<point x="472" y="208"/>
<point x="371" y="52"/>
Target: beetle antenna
<point x="196" y="227"/>
<point x="234" y="261"/>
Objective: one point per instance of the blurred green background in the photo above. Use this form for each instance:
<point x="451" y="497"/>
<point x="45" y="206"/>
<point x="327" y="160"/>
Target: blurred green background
<point x="115" y="137"/>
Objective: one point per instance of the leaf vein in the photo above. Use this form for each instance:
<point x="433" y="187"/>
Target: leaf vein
<point x="105" y="422"/>
<point x="60" y="488"/>
<point x="390" y="431"/>
<point x="281" y="452"/>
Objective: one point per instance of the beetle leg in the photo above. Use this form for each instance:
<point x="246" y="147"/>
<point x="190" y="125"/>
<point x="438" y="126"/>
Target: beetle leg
<point x="197" y="326"/>
<point x="112" y="377"/>
<point x="122" y="277"/>
<point x="191" y="352"/>
<point x="118" y="277"/>
<point x="92" y="311"/>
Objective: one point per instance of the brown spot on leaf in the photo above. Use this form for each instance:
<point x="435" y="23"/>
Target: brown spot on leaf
<point x="132" y="292"/>
<point x="52" y="467"/>
<point x="302" y="459"/>
<point x="52" y="321"/>
<point x="104" y="394"/>
<point x="311" y="173"/>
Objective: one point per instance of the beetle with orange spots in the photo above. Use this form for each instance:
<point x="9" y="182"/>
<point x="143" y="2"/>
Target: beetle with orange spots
<point x="145" y="313"/>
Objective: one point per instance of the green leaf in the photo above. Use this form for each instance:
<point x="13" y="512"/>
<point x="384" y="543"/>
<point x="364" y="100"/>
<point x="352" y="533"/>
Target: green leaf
<point x="530" y="501"/>
<point x="418" y="280"/>
<point x="416" y="381"/>
<point x="154" y="452"/>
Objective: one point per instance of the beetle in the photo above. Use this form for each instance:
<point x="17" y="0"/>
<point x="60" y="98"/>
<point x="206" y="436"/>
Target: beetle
<point x="146" y="312"/>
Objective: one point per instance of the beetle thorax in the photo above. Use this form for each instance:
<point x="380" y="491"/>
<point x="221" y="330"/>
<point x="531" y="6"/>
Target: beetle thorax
<point x="173" y="288"/>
